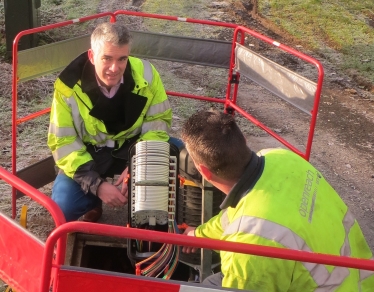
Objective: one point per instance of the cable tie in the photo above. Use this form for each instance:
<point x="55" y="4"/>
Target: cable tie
<point x="126" y="179"/>
<point x="183" y="226"/>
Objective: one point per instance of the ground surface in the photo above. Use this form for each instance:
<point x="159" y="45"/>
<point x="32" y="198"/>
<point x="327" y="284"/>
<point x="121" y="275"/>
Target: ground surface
<point x="343" y="146"/>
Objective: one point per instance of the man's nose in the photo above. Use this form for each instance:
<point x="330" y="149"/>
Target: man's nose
<point x="114" y="67"/>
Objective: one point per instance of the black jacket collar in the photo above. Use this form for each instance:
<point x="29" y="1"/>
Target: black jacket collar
<point x="82" y="69"/>
<point x="118" y="113"/>
<point x="249" y="178"/>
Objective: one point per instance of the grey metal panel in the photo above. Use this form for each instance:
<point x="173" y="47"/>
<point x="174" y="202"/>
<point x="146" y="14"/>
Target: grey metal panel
<point x="50" y="58"/>
<point x="206" y="52"/>
<point x="286" y="84"/>
<point x="38" y="174"/>
<point x="54" y="57"/>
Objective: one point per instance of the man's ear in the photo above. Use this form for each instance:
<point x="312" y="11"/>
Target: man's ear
<point x="91" y="56"/>
<point x="205" y="171"/>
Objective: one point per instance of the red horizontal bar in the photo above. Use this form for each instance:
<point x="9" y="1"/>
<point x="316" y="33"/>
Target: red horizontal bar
<point x="199" y="97"/>
<point x="34" y="194"/>
<point x="175" y="18"/>
<point x="73" y="280"/>
<point x="183" y="240"/>
<point x="33" y="115"/>
<point x="266" y="129"/>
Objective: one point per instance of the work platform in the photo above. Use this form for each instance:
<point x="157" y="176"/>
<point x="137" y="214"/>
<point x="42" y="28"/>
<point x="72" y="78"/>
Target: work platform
<point x="71" y="267"/>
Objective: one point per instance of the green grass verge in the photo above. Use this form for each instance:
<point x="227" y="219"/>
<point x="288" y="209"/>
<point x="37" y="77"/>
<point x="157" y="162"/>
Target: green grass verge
<point x="71" y="8"/>
<point x="187" y="9"/>
<point x="54" y="11"/>
<point x="343" y="25"/>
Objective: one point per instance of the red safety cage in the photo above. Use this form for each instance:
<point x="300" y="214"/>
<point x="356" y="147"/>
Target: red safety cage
<point x="37" y="258"/>
<point x="229" y="102"/>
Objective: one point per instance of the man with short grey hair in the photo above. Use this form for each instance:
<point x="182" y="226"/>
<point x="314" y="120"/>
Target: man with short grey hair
<point x="104" y="101"/>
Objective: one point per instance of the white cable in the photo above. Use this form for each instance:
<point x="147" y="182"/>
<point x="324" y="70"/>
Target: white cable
<point x="152" y="175"/>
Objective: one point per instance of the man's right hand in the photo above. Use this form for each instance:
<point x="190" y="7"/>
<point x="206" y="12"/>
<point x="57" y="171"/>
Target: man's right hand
<point x="190" y="231"/>
<point x="111" y="195"/>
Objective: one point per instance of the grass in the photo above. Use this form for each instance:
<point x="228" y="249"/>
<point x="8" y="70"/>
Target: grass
<point x="53" y="11"/>
<point x="184" y="8"/>
<point x="344" y="26"/>
<point x="69" y="9"/>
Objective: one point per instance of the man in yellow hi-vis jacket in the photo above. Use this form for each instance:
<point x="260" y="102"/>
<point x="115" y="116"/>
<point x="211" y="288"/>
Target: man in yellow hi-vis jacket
<point x="104" y="101"/>
<point x="274" y="198"/>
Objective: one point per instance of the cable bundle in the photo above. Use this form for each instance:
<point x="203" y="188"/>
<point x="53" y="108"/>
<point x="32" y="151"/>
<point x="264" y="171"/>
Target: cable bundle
<point x="163" y="262"/>
<point x="155" y="178"/>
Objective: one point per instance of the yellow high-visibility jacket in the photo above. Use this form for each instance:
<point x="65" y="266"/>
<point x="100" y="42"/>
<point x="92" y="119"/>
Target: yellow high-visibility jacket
<point x="82" y="118"/>
<point x="290" y="205"/>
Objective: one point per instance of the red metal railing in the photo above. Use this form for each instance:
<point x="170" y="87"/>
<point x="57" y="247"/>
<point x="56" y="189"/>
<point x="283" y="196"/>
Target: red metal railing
<point x="239" y="34"/>
<point x="183" y="240"/>
<point x="175" y="18"/>
<point x="229" y="101"/>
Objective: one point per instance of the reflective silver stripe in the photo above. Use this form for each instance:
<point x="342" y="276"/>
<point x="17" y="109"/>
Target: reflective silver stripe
<point x="107" y="143"/>
<point x="366" y="274"/>
<point x="348" y="222"/>
<point x="325" y="280"/>
<point x="158" y="108"/>
<point x="154" y="126"/>
<point x="148" y="73"/>
<point x="67" y="149"/>
<point x="61" y="131"/>
<point x="77" y="119"/>
<point x="273" y="231"/>
<point x="267" y="229"/>
<point x="224" y="220"/>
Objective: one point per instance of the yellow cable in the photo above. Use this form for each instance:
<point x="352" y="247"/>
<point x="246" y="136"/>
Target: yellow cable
<point x="189" y="183"/>
<point x="23" y="216"/>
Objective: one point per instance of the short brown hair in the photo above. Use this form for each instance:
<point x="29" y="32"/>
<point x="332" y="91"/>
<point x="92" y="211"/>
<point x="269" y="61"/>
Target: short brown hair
<point x="215" y="140"/>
